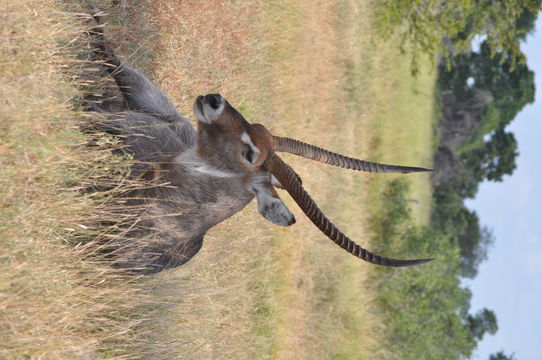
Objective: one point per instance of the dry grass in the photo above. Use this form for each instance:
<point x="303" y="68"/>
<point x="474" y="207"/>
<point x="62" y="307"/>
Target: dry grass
<point x="279" y="293"/>
<point x="312" y="70"/>
<point x="54" y="304"/>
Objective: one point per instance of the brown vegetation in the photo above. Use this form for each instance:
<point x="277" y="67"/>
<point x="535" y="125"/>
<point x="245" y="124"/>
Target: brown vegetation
<point x="254" y="291"/>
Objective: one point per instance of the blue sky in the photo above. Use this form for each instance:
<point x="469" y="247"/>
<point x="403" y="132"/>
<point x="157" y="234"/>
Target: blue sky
<point x="510" y="281"/>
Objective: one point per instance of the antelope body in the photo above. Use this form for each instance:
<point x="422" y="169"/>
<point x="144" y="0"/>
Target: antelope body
<point x="200" y="178"/>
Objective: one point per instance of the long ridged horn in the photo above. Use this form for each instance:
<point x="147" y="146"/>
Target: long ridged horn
<point x="288" y="178"/>
<point x="309" y="151"/>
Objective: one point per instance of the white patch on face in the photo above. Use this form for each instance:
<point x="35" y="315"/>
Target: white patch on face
<point x="245" y="138"/>
<point x="212" y="114"/>
<point x="204" y="112"/>
<point x="198" y="113"/>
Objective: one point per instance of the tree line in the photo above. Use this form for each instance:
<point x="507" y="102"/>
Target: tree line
<point x="432" y="303"/>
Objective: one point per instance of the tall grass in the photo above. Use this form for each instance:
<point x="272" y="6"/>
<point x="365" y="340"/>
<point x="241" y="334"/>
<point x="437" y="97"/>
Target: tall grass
<point x="56" y="302"/>
<point x="308" y="70"/>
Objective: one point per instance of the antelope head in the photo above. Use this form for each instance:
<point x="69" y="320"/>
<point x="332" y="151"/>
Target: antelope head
<point x="232" y="144"/>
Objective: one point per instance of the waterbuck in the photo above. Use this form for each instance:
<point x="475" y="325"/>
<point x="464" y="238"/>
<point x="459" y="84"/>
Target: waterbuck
<point x="198" y="178"/>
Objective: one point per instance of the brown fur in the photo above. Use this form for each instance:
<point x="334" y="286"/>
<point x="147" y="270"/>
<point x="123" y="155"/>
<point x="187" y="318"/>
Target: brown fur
<point x="195" y="179"/>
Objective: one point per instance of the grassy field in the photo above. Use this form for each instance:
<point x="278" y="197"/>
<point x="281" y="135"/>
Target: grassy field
<point x="54" y="304"/>
<point x="402" y="117"/>
<point x="317" y="71"/>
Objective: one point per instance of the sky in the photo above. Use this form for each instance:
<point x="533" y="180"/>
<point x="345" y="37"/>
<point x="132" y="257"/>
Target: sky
<point x="510" y="281"/>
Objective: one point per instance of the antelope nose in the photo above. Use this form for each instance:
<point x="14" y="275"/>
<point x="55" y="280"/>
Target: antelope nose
<point x="214" y="100"/>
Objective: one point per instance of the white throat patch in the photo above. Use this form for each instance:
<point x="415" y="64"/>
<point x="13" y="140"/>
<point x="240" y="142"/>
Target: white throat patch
<point x="198" y="166"/>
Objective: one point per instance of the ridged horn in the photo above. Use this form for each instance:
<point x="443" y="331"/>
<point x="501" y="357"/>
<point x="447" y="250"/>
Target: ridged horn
<point x="309" y="151"/>
<point x="288" y="178"/>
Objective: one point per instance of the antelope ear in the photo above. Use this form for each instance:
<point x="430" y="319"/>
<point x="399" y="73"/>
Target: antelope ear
<point x="271" y="206"/>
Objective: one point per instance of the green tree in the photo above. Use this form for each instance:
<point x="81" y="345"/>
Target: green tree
<point x="474" y="244"/>
<point x="502" y="22"/>
<point x="502" y="356"/>
<point x="512" y="86"/>
<point x="426" y="309"/>
<point x="495" y="159"/>
<point x="483" y="322"/>
<point x="525" y="22"/>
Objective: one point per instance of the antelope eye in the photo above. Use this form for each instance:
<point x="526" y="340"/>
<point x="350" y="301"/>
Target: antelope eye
<point x="248" y="154"/>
